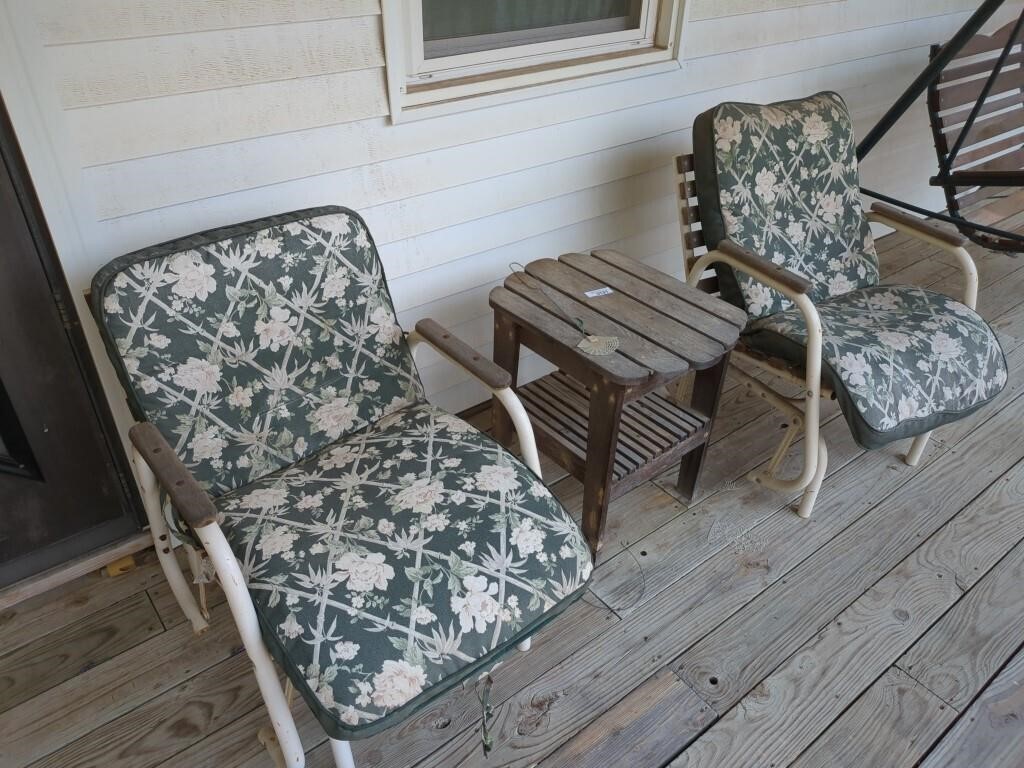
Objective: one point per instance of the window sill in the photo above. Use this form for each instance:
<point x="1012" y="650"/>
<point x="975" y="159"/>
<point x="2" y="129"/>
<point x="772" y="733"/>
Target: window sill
<point x="444" y="98"/>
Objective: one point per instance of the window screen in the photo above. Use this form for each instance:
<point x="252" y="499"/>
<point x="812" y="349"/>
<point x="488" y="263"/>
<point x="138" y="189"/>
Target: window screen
<point x="453" y="27"/>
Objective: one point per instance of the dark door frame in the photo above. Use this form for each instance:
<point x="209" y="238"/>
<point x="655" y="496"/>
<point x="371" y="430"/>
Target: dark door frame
<point x="131" y="522"/>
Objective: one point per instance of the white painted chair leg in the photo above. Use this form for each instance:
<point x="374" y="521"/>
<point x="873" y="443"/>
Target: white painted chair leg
<point x="164" y="550"/>
<point x="917" y="449"/>
<point x="811" y="492"/>
<point x="239" y="601"/>
<point x="525" y="645"/>
<point x="342" y="752"/>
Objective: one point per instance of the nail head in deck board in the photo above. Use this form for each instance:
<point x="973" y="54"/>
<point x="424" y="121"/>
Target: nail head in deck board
<point x="61" y="655"/>
<point x="891" y="725"/>
<point x="674" y="336"/>
<point x="83" y="704"/>
<point x="990" y="733"/>
<point x="167" y="724"/>
<point x="730" y="518"/>
<point x="743" y="649"/>
<point x="788" y="709"/>
<point x="967" y="646"/>
<point x="72" y="602"/>
<point x="815" y="684"/>
<point x="644" y="729"/>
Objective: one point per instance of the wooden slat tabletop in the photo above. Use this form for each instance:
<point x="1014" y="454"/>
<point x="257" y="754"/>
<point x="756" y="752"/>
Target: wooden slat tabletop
<point x="664" y="327"/>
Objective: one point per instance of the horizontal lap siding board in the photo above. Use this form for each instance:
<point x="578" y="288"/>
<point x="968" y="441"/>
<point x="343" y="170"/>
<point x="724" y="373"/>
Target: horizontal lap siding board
<point x="83" y="21"/>
<point x="728" y="34"/>
<point x="110" y="72"/>
<point x="228" y="114"/>
<point x="716" y="9"/>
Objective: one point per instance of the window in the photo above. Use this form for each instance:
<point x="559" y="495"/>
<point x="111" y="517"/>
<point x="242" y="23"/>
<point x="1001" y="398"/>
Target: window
<point x="450" y="51"/>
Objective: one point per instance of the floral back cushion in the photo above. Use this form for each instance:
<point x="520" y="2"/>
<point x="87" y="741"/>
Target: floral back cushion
<point x="251" y="347"/>
<point x="781" y="179"/>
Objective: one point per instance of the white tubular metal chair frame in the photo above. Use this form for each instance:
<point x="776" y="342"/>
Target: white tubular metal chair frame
<point x="282" y="740"/>
<point x="803" y="412"/>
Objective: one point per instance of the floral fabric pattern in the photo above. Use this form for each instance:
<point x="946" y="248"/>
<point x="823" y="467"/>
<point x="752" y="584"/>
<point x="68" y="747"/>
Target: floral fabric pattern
<point x="255" y="349"/>
<point x="785" y="181"/>
<point x="906" y="359"/>
<point x="397" y="558"/>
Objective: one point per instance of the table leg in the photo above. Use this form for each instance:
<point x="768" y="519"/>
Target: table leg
<point x="606" y="402"/>
<point x="707" y="389"/>
<point x="506" y="354"/>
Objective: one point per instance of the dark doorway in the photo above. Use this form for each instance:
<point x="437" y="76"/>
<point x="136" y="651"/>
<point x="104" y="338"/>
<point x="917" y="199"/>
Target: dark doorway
<point x="63" y="489"/>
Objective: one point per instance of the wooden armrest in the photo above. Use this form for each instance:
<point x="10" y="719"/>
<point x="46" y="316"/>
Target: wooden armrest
<point x="760" y="266"/>
<point x="489" y="372"/>
<point x="930" y="229"/>
<point x="191" y="501"/>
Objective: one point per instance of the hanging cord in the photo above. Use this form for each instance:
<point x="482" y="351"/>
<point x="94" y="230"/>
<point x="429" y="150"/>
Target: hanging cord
<point x="483" y="686"/>
<point x="591" y="344"/>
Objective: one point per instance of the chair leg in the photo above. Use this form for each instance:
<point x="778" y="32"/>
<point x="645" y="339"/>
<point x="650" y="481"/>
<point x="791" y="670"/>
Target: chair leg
<point x="917" y="449"/>
<point x="811" y="492"/>
<point x="525" y="645"/>
<point x="240" y="602"/>
<point x="164" y="550"/>
<point x="342" y="752"/>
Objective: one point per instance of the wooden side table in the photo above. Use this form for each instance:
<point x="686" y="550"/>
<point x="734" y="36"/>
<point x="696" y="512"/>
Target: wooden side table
<point x="601" y="417"/>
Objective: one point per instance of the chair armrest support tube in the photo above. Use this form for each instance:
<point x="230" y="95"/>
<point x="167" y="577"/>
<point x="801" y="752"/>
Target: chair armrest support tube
<point x="191" y="501"/>
<point x="232" y="581"/>
<point x="794" y="288"/>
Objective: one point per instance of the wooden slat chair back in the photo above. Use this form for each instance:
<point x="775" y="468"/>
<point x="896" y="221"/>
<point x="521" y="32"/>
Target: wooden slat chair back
<point x="990" y="162"/>
<point x="694" y="247"/>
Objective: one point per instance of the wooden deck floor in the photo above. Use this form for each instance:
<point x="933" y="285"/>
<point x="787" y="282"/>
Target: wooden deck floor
<point x="886" y="631"/>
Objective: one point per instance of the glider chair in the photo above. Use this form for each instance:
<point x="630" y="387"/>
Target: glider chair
<point x="772" y="221"/>
<point x="377" y="548"/>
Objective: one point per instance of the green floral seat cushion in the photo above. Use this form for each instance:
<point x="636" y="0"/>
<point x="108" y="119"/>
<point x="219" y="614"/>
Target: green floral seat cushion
<point x="902" y="360"/>
<point x="781" y="179"/>
<point x="253" y="346"/>
<point x="399" y="560"/>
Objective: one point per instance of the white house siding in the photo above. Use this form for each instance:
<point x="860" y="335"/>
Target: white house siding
<point x="149" y="119"/>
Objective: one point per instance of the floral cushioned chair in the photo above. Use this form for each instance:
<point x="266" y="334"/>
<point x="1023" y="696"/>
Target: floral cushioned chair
<point x="779" y="209"/>
<point x="381" y="549"/>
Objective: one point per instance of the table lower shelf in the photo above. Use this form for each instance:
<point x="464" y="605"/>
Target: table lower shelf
<point x="654" y="431"/>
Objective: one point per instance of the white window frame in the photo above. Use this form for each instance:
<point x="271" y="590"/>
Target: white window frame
<point x="421" y="87"/>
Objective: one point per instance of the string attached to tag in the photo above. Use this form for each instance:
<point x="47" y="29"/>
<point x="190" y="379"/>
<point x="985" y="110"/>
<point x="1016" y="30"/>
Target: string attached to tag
<point x="590" y="344"/>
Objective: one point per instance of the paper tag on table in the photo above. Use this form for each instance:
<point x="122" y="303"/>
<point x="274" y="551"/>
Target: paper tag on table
<point x="604" y="291"/>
